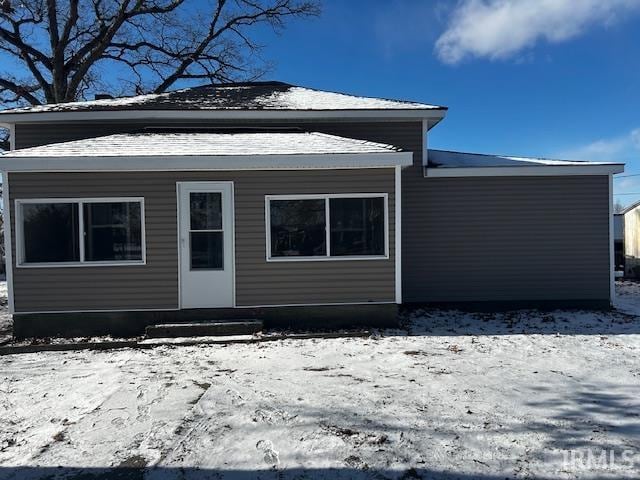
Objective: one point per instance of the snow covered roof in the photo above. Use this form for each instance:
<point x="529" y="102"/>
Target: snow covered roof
<point x="186" y="150"/>
<point x="449" y="159"/>
<point x="447" y="163"/>
<point x="255" y="96"/>
<point x="212" y="144"/>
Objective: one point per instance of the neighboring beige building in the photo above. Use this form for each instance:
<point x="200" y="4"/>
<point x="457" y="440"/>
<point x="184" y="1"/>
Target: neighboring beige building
<point x="631" y="222"/>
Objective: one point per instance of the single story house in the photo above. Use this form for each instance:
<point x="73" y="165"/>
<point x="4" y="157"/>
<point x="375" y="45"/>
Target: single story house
<point x="292" y="204"/>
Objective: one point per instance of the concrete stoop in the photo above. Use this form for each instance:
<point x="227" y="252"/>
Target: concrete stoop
<point x="215" y="328"/>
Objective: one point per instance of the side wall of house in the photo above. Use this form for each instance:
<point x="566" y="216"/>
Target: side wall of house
<point x="512" y="239"/>
<point x="155" y="285"/>
<point x="467" y="239"/>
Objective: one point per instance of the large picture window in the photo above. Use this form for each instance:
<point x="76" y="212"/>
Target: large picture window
<point x="80" y="231"/>
<point x="326" y="227"/>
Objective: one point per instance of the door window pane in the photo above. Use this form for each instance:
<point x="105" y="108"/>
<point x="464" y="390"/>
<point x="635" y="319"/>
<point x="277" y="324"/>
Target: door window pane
<point x="298" y="228"/>
<point x="50" y="232"/>
<point x="207" y="251"/>
<point x="357" y="226"/>
<point x="206" y="210"/>
<point x="112" y="231"/>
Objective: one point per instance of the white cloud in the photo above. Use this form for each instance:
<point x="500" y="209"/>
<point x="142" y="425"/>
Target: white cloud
<point x="499" y="29"/>
<point x="622" y="148"/>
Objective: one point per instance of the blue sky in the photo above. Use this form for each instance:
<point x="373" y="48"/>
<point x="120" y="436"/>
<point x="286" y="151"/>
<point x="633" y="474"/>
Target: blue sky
<point x="553" y="78"/>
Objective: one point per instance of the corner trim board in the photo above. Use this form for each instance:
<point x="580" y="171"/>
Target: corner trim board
<point x="7" y="240"/>
<point x="425" y="145"/>
<point x="398" y="234"/>
<point x="612" y="273"/>
<point x="12" y="137"/>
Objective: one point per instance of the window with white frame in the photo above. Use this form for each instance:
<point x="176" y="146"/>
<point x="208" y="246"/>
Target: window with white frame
<point x="80" y="231"/>
<point x="322" y="227"/>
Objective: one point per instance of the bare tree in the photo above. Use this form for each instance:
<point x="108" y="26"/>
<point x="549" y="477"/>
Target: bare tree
<point x="54" y="51"/>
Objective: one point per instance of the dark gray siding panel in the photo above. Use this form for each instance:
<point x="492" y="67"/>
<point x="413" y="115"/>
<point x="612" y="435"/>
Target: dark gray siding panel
<point x="155" y="285"/>
<point x="508" y="239"/>
<point x="398" y="133"/>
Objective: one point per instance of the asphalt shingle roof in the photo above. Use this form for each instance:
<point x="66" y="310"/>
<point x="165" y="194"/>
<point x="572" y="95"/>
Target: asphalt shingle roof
<point x="238" y="96"/>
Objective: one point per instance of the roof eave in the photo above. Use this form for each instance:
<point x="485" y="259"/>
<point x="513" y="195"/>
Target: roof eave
<point x="392" y="114"/>
<point x="525" y="171"/>
<point x="10" y="163"/>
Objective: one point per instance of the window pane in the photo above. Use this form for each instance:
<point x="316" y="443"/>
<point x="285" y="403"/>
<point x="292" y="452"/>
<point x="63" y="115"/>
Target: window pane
<point x="113" y="231"/>
<point x="50" y="232"/>
<point x="298" y="228"/>
<point x="357" y="226"/>
<point x="207" y="250"/>
<point x="206" y="211"/>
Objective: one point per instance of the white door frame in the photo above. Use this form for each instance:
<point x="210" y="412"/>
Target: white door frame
<point x="205" y="184"/>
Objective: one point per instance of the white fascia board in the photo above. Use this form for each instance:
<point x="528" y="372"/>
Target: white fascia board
<point x="537" y="171"/>
<point x="223" y="162"/>
<point x="401" y="114"/>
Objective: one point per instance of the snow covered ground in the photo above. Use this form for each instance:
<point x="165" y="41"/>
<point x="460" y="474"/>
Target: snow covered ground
<point x="5" y="318"/>
<point x="455" y="395"/>
<point x="628" y="297"/>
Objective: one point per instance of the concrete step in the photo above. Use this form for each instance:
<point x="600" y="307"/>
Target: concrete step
<point x="204" y="329"/>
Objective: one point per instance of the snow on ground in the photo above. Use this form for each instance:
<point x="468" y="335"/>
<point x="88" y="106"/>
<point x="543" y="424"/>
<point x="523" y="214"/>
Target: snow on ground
<point x="5" y="319"/>
<point x="628" y="296"/>
<point x="454" y="395"/>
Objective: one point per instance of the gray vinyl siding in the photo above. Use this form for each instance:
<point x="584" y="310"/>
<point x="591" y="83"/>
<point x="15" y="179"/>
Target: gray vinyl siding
<point x="155" y="285"/>
<point x="509" y="239"/>
<point x="31" y="135"/>
<point x="467" y="239"/>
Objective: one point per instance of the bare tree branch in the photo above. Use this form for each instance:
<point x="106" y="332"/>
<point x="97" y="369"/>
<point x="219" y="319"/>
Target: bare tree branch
<point x="62" y="50"/>
<point x="21" y="91"/>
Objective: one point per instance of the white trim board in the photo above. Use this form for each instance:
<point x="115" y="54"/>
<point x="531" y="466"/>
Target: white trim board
<point x="195" y="162"/>
<point x="425" y="144"/>
<point x="398" y="234"/>
<point x="12" y="137"/>
<point x="612" y="268"/>
<point x="434" y="114"/>
<point x="6" y="204"/>
<point x="524" y="171"/>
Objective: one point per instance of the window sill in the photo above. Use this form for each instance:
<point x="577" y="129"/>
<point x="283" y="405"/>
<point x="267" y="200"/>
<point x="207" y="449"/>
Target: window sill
<point x="326" y="259"/>
<point x="81" y="264"/>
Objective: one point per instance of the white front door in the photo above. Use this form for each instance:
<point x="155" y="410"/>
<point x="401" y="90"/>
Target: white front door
<point x="205" y="213"/>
